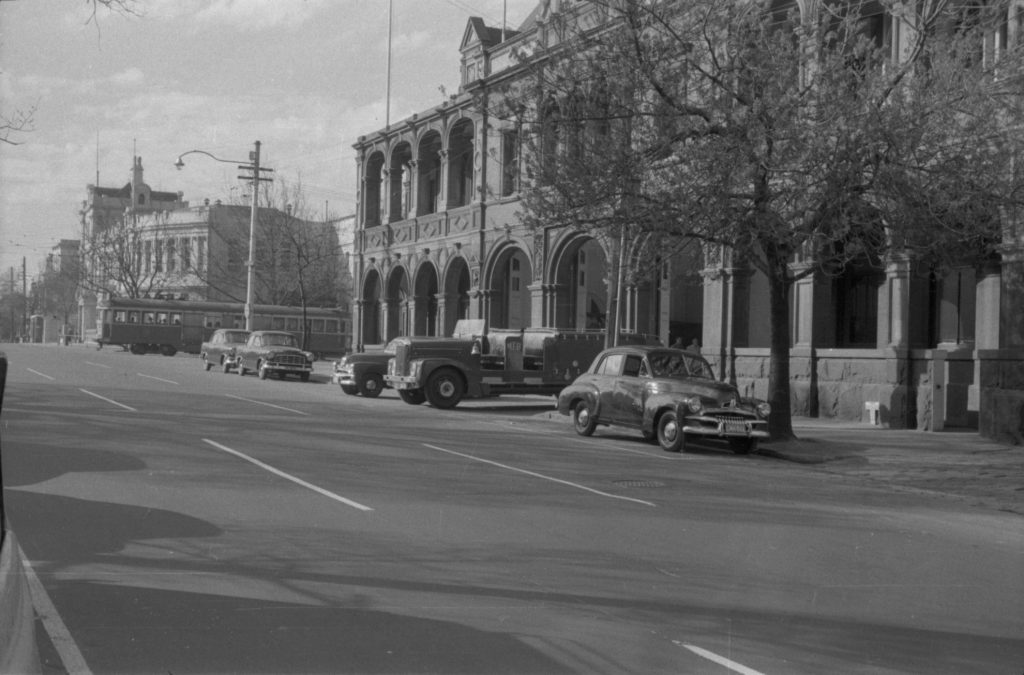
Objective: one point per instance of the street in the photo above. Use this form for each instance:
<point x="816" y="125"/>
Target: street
<point x="184" y="521"/>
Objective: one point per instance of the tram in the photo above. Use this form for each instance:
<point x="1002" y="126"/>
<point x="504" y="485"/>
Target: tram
<point x="143" y="325"/>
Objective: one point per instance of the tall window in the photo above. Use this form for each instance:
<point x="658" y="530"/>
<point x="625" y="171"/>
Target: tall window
<point x="158" y="256"/>
<point x="186" y="254"/>
<point x="171" y="258"/>
<point x="200" y="253"/>
<point x="509" y="162"/>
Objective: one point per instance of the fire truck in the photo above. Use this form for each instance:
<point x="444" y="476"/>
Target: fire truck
<point x="478" y="363"/>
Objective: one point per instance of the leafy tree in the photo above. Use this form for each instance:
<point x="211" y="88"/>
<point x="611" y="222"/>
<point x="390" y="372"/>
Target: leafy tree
<point x="771" y="140"/>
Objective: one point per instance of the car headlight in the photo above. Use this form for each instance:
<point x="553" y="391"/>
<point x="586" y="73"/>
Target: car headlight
<point x="694" y="404"/>
<point x="764" y="409"/>
<point x="310" y="356"/>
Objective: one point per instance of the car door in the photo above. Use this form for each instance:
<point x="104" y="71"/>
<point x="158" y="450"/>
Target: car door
<point x="627" y="392"/>
<point x="605" y="375"/>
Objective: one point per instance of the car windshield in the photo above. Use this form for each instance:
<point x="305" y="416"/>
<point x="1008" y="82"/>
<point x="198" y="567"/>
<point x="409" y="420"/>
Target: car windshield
<point x="680" y="364"/>
<point x="279" y="340"/>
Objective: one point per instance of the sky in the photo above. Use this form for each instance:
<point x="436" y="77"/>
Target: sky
<point x="304" y="77"/>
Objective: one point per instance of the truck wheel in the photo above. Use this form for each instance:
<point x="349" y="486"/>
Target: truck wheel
<point x="444" y="388"/>
<point x="371" y="385"/>
<point x="412" y="396"/>
<point x="583" y="419"/>
<point x="670" y="432"/>
<point x="743" y="446"/>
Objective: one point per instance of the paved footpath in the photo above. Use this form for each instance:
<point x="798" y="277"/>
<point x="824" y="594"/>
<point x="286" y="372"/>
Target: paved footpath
<point x="959" y="464"/>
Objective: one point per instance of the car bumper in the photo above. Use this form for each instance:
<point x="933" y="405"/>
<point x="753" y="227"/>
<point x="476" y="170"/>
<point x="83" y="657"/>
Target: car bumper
<point x="288" y="368"/>
<point x="402" y="382"/>
<point x="716" y="428"/>
<point x="343" y="377"/>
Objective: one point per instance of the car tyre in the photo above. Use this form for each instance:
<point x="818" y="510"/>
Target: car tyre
<point x="444" y="388"/>
<point x="670" y="432"/>
<point x="371" y="385"/>
<point x="412" y="396"/>
<point x="206" y="364"/>
<point x="743" y="446"/>
<point x="583" y="419"/>
<point x="226" y="366"/>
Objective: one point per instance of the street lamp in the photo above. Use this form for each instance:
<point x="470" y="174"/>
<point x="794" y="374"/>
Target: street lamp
<point x="252" y="165"/>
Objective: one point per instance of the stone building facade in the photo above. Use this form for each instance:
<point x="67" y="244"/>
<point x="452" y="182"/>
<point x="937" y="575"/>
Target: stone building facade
<point x="438" y="239"/>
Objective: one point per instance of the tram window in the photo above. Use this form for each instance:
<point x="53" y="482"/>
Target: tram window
<point x="161" y="318"/>
<point x="176" y="319"/>
<point x="318" y="326"/>
<point x="332" y="326"/>
<point x="293" y="323"/>
<point x="119" y="316"/>
<point x="148" y="317"/>
<point x="133" y="317"/>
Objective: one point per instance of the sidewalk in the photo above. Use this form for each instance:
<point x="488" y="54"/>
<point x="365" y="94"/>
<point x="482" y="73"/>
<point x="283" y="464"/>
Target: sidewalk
<point x="960" y="463"/>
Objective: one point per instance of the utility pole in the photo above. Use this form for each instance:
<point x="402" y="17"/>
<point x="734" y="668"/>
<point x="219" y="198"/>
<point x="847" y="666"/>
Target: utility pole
<point x="24" y="298"/>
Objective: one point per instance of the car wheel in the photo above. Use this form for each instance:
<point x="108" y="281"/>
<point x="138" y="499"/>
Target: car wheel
<point x="583" y="419"/>
<point x="371" y="385"/>
<point x="226" y="366"/>
<point x="262" y="371"/>
<point x="241" y="367"/>
<point x="444" y="388"/>
<point x="349" y="389"/>
<point x="206" y="364"/>
<point x="743" y="446"/>
<point x="670" y="432"/>
<point x="412" y="396"/>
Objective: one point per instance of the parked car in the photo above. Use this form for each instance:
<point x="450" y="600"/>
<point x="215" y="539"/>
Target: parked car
<point x="272" y="352"/>
<point x="363" y="373"/>
<point x="220" y="350"/>
<point x="668" y="395"/>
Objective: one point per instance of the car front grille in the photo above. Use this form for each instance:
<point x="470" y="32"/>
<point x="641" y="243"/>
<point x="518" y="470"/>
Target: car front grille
<point x="289" y="360"/>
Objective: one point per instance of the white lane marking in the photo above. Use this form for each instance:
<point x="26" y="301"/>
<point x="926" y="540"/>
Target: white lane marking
<point x="36" y="372"/>
<point x="104" y="398"/>
<point x="720" y="660"/>
<point x="71" y="657"/>
<point x="287" y="476"/>
<point x="269" y="405"/>
<point x="153" y="377"/>
<point x="98" y="365"/>
<point x="593" y="442"/>
<point x="540" y="475"/>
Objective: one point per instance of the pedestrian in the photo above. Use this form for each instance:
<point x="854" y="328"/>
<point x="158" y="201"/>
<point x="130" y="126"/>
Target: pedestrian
<point x="694" y="346"/>
<point x="678" y="344"/>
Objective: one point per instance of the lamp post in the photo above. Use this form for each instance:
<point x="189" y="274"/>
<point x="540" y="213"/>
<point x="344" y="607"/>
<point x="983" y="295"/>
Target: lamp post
<point x="252" y="165"/>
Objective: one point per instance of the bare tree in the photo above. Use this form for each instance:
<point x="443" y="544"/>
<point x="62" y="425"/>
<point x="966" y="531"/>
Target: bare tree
<point x="772" y="140"/>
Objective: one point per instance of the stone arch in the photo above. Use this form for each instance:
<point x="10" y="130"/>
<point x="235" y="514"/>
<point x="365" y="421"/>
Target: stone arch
<point x="425" y="309"/>
<point x="371" y="308"/>
<point x="396" y="321"/>
<point x="580" y="298"/>
<point x="455" y="293"/>
<point x="663" y="292"/>
<point x="507" y="288"/>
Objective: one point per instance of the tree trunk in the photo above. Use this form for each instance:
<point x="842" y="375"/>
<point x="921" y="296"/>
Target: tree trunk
<point x="780" y="421"/>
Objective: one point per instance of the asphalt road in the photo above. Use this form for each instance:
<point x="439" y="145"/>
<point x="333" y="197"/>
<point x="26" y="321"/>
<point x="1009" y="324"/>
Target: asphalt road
<point x="183" y="521"/>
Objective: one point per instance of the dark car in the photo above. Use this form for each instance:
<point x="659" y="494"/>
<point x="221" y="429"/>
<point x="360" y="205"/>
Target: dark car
<point x="668" y="395"/>
<point x="363" y="373"/>
<point x="273" y="352"/>
<point x="221" y="348"/>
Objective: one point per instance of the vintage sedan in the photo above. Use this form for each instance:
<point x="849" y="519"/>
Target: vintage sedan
<point x="273" y="352"/>
<point x="363" y="373"/>
<point x="221" y="348"/>
<point x="669" y="395"/>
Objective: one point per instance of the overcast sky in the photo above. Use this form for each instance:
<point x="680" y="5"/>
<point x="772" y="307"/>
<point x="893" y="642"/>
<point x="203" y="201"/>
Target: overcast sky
<point x="304" y="77"/>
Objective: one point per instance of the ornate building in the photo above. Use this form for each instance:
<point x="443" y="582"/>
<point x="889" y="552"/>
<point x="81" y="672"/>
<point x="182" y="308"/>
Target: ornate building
<point x="438" y="239"/>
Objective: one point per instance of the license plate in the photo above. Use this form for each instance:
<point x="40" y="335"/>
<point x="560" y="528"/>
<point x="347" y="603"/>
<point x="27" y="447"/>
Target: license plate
<point x="735" y="427"/>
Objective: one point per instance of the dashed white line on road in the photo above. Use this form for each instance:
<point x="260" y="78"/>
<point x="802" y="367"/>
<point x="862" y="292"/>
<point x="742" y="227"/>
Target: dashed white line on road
<point x="36" y="372"/>
<point x="70" y="656"/>
<point x="540" y="475"/>
<point x="720" y="660"/>
<point x="153" y="377"/>
<point x="98" y="365"/>
<point x="108" y="400"/>
<point x="269" y="405"/>
<point x="288" y="476"/>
